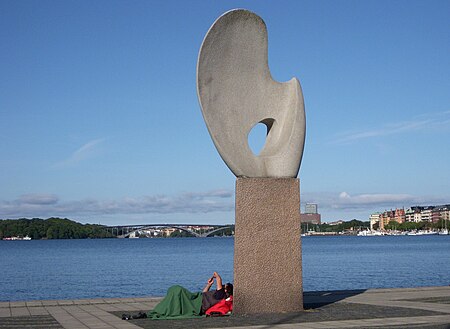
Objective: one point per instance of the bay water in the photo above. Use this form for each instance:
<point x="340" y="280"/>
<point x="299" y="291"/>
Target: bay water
<point x="113" y="268"/>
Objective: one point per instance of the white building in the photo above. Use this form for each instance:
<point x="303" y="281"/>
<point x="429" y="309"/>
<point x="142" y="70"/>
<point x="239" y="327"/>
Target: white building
<point x="311" y="208"/>
<point x="374" y="218"/>
<point x="426" y="214"/>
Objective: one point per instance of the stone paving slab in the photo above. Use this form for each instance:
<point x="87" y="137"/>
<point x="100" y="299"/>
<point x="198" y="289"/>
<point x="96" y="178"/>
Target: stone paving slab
<point x="20" y="311"/>
<point x="5" y="312"/>
<point x="38" y="310"/>
<point x="35" y="322"/>
<point x="50" y="302"/>
<point x="33" y="303"/>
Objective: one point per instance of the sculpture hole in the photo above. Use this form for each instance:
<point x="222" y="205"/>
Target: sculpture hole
<point x="257" y="136"/>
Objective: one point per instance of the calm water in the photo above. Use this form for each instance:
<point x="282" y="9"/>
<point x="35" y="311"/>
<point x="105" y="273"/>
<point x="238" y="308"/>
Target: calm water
<point x="73" y="269"/>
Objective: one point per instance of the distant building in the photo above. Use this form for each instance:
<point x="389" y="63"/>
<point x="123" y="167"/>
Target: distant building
<point x="410" y="214"/>
<point x="399" y="215"/>
<point x="427" y="213"/>
<point x="374" y="218"/>
<point x="311" y="215"/>
<point x="338" y="222"/>
<point x="311" y="218"/>
<point x="413" y="214"/>
<point x="441" y="212"/>
<point x="311" y="208"/>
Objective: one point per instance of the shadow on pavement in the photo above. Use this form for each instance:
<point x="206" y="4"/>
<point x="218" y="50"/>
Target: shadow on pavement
<point x="316" y="299"/>
<point x="318" y="306"/>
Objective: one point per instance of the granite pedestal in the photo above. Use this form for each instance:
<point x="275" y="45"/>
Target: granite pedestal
<point x="267" y="250"/>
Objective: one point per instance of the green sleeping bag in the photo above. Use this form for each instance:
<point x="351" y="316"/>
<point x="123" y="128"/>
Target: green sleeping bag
<point x="179" y="303"/>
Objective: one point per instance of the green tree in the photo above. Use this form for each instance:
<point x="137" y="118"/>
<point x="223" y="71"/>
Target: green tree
<point x="51" y="228"/>
<point x="180" y="234"/>
<point x="393" y="225"/>
<point x="50" y="233"/>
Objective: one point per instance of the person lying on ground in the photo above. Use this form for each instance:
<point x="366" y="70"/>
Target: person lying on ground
<point x="217" y="302"/>
<point x="180" y="303"/>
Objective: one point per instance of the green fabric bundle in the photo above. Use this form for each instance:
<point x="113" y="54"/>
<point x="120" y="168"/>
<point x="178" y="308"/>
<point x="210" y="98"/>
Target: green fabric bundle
<point x="179" y="303"/>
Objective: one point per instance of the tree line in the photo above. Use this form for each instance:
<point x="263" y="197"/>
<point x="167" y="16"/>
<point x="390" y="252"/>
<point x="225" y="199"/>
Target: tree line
<point x="51" y="228"/>
<point x="352" y="225"/>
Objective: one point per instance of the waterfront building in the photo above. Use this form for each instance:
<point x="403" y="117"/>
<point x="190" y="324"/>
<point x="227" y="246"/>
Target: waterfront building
<point x="311" y="219"/>
<point x="441" y="212"/>
<point x="435" y="214"/>
<point x="385" y="218"/>
<point x="338" y="222"/>
<point x="426" y="213"/>
<point x="311" y="214"/>
<point x="445" y="213"/>
<point x="167" y="231"/>
<point x="417" y="216"/>
<point x="374" y="218"/>
<point x="399" y="215"/>
<point x="413" y="214"/>
<point x="409" y="215"/>
<point x="311" y="208"/>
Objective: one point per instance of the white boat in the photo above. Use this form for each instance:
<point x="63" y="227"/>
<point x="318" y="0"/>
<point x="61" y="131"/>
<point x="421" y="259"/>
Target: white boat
<point x="443" y="232"/>
<point x="422" y="232"/>
<point x="429" y="233"/>
<point x="17" y="238"/>
<point x="370" y="233"/>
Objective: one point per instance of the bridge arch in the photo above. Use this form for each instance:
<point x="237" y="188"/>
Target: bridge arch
<point x="214" y="231"/>
<point x="137" y="228"/>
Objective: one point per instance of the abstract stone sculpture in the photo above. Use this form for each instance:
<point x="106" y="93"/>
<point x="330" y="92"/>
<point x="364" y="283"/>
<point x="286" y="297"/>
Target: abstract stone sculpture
<point x="236" y="92"/>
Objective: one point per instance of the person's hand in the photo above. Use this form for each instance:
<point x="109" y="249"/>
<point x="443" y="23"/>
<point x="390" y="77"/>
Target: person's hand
<point x="211" y="280"/>
<point x="215" y="275"/>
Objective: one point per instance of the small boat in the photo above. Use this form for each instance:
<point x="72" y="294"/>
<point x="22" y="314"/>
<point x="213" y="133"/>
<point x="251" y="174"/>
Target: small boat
<point x="422" y="232"/>
<point x="370" y="233"/>
<point x="429" y="233"/>
<point x="17" y="238"/>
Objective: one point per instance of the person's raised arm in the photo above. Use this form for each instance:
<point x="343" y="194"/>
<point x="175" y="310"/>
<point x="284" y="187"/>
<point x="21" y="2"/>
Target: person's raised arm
<point x="218" y="281"/>
<point x="209" y="284"/>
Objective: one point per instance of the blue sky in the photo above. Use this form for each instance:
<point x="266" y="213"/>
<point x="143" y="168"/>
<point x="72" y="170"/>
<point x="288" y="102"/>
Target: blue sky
<point x="100" y="122"/>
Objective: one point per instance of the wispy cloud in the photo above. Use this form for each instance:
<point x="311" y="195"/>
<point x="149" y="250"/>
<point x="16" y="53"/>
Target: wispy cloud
<point x="423" y="122"/>
<point x="341" y="204"/>
<point x="38" y="199"/>
<point x="82" y="153"/>
<point x="46" y="205"/>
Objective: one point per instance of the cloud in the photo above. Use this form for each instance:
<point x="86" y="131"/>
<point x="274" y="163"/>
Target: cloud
<point x="331" y="204"/>
<point x="38" y="199"/>
<point x="362" y="200"/>
<point x="422" y="122"/>
<point x="215" y="193"/>
<point x="82" y="153"/>
<point x="368" y="202"/>
<point x="47" y="205"/>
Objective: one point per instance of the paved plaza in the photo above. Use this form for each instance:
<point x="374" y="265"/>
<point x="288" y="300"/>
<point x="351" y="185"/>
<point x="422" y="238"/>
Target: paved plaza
<point x="375" y="308"/>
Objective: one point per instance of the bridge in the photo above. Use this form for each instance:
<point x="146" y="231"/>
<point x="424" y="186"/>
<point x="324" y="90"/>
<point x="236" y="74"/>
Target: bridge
<point x="198" y="231"/>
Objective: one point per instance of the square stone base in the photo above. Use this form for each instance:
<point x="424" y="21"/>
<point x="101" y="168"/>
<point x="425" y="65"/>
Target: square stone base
<point x="267" y="246"/>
